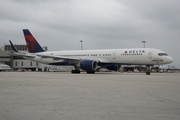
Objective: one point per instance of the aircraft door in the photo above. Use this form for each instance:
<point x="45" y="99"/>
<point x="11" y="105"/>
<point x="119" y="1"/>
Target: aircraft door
<point x="150" y="55"/>
<point x="114" y="55"/>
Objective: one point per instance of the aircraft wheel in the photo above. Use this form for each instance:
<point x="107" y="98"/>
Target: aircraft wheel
<point x="75" y="71"/>
<point x="148" y="70"/>
<point x="148" y="73"/>
<point x="90" y="72"/>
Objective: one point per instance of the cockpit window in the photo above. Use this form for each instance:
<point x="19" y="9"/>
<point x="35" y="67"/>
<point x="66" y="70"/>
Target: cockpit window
<point x="162" y="54"/>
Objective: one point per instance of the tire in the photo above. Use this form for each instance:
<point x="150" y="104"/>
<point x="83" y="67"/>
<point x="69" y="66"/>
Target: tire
<point x="148" y="73"/>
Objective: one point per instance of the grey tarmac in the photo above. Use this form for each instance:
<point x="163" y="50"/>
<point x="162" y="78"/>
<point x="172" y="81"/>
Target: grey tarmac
<point x="100" y="96"/>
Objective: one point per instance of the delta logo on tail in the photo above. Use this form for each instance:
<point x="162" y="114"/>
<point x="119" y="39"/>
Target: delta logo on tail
<point x="32" y="45"/>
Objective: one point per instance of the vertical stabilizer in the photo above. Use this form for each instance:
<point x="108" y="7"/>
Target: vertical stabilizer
<point x="32" y="44"/>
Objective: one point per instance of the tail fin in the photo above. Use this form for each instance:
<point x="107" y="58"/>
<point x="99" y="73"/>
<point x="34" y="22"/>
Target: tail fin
<point x="32" y="44"/>
<point x="13" y="47"/>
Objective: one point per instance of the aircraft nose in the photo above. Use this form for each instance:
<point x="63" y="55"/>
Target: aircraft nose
<point x="170" y="59"/>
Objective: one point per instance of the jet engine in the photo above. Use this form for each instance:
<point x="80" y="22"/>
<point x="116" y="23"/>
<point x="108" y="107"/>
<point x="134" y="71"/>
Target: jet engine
<point x="88" y="65"/>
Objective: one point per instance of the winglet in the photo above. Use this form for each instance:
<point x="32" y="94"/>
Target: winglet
<point x="32" y="44"/>
<point x="13" y="47"/>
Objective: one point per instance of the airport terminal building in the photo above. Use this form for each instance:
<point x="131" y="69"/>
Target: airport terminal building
<point x="18" y="62"/>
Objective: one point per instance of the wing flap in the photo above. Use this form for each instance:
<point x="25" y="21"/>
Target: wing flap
<point x="58" y="57"/>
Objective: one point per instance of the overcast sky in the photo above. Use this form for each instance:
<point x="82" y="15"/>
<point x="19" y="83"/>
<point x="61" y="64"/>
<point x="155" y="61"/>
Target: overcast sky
<point x="101" y="24"/>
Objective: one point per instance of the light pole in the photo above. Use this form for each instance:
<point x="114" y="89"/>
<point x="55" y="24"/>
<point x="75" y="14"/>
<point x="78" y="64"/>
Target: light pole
<point x="81" y="44"/>
<point x="144" y="43"/>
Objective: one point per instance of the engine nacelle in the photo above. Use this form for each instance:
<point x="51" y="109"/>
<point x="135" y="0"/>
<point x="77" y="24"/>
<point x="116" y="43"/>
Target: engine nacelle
<point x="113" y="67"/>
<point x="88" y="65"/>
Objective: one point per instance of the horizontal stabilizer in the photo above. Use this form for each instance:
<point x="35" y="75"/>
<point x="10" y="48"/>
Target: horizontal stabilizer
<point x="23" y="54"/>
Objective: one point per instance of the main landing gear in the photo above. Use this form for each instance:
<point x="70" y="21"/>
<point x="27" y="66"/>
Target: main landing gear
<point x="90" y="72"/>
<point x="148" y="70"/>
<point x="76" y="71"/>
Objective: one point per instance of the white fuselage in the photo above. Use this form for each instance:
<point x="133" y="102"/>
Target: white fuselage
<point x="140" y="56"/>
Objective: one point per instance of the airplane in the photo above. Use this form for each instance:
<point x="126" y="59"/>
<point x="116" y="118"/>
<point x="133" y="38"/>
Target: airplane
<point x="4" y="67"/>
<point x="92" y="60"/>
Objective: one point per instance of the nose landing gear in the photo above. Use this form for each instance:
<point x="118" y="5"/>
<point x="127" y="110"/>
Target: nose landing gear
<point x="148" y="70"/>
